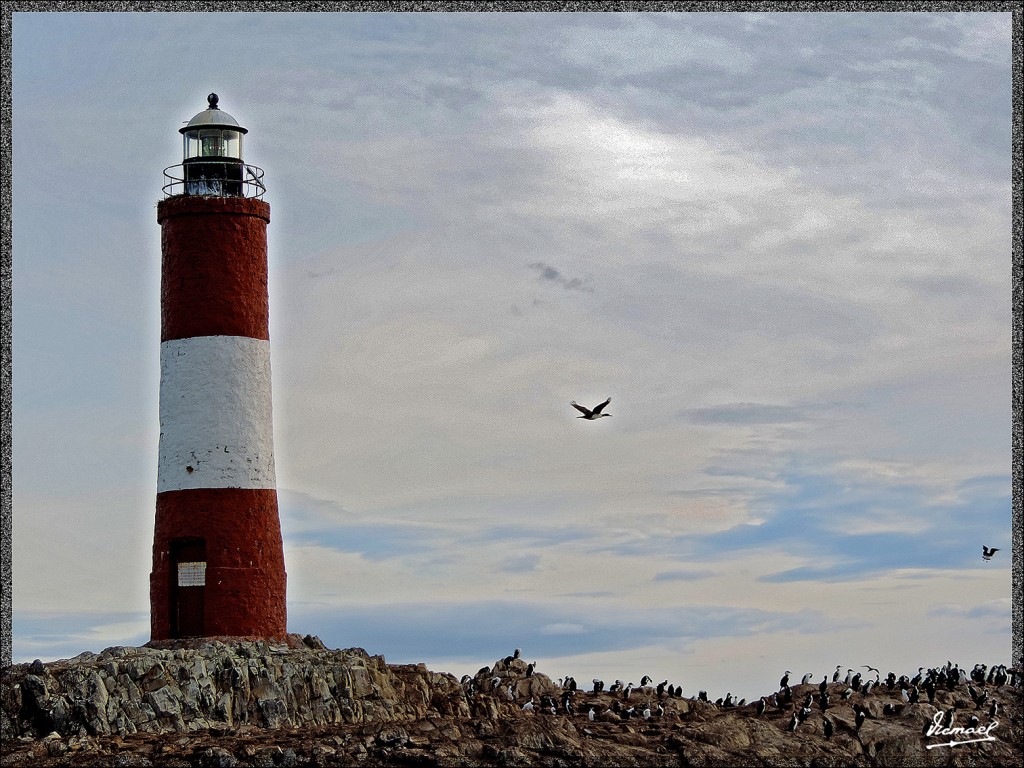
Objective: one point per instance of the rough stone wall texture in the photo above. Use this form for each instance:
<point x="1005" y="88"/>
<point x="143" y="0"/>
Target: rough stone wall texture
<point x="214" y="273"/>
<point x="216" y="414"/>
<point x="246" y="583"/>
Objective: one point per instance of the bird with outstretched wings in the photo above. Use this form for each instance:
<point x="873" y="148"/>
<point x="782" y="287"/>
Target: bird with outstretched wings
<point x="591" y="413"/>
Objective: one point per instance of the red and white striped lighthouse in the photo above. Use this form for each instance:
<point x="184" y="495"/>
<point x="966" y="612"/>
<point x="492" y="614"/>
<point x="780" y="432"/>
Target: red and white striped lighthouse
<point x="218" y="559"/>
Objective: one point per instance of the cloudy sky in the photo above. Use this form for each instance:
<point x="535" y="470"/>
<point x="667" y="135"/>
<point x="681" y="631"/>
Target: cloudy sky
<point x="779" y="242"/>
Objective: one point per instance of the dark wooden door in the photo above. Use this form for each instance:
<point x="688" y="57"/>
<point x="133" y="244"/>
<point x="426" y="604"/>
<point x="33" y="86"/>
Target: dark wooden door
<point x="189" y="603"/>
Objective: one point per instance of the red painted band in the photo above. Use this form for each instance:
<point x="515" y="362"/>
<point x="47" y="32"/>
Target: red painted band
<point x="240" y="529"/>
<point x="214" y="272"/>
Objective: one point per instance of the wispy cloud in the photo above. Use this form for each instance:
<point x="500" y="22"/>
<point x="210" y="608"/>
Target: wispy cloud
<point x="550" y="274"/>
<point x="794" y="286"/>
<point x="748" y="413"/>
<point x="683" y="575"/>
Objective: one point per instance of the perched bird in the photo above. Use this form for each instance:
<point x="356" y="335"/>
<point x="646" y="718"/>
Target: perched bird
<point x="979" y="697"/>
<point x="785" y="680"/>
<point x="589" y="414"/>
<point x="859" y="720"/>
<point x="806" y="678"/>
<point x="829" y="728"/>
<point x="567" y="703"/>
<point x="835" y="675"/>
<point x="528" y="706"/>
<point x="987" y="552"/>
<point x="590" y="714"/>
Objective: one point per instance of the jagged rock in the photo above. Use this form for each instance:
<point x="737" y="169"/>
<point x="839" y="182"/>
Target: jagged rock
<point x="215" y="702"/>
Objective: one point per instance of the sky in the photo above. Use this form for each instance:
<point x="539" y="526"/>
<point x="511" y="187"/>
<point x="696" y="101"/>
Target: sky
<point x="780" y="242"/>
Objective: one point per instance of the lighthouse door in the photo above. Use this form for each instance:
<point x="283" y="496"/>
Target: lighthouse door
<point x="188" y="558"/>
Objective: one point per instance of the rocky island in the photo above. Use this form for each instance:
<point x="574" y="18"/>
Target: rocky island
<point x="231" y="702"/>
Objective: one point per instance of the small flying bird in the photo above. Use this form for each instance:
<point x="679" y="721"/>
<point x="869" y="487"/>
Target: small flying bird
<point x="589" y="414"/>
<point x="986" y="552"/>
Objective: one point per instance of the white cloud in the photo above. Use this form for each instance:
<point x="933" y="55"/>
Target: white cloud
<point x="562" y="629"/>
<point x="826" y="241"/>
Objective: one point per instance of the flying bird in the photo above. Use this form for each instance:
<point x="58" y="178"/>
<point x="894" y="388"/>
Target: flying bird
<point x="986" y="552"/>
<point x="589" y="414"/>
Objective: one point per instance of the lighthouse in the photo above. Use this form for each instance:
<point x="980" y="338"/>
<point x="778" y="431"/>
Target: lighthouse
<point x="218" y="558"/>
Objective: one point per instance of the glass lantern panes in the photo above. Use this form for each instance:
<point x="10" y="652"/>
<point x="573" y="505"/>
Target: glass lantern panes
<point x="213" y="142"/>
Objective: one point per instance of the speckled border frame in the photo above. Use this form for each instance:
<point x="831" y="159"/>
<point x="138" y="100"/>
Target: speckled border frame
<point x="6" y="29"/>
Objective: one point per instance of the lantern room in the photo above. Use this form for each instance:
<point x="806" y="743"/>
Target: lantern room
<point x="212" y="162"/>
<point x="213" y="133"/>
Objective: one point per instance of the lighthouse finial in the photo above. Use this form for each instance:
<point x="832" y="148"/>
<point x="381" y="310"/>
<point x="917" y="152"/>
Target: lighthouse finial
<point x="212" y="99"/>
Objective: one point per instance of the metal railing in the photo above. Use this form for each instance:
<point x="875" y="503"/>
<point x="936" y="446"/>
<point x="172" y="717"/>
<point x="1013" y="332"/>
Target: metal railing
<point x="211" y="178"/>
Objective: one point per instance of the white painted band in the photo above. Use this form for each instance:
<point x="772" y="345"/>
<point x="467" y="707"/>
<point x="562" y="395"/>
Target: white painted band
<point x="216" y="419"/>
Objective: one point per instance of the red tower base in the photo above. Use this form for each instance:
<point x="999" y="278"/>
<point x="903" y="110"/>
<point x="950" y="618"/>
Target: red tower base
<point x="232" y="539"/>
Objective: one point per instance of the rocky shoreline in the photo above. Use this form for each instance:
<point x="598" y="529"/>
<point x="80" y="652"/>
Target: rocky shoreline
<point x="232" y="703"/>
